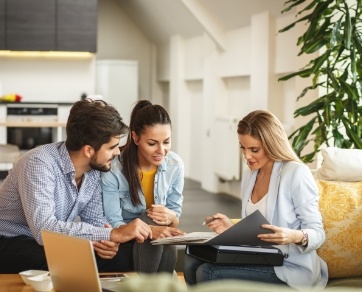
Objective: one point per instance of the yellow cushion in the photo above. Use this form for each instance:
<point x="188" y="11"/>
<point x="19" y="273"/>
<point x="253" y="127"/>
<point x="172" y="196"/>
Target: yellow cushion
<point x="341" y="207"/>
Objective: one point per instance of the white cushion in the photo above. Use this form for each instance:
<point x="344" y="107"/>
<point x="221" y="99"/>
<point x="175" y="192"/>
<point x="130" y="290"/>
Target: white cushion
<point x="340" y="165"/>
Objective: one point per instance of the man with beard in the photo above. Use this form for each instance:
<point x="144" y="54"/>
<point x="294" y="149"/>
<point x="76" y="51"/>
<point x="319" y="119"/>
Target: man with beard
<point x="57" y="187"/>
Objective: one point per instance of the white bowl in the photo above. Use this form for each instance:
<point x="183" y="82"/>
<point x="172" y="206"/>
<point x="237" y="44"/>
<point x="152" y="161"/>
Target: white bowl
<point x="41" y="283"/>
<point x="31" y="273"/>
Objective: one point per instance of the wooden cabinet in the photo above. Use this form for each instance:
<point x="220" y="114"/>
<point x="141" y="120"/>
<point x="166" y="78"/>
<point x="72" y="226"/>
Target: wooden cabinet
<point x="48" y="25"/>
<point x="30" y="25"/>
<point x="2" y="24"/>
<point x="77" y="25"/>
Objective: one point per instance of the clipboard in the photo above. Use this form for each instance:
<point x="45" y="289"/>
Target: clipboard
<point x="242" y="233"/>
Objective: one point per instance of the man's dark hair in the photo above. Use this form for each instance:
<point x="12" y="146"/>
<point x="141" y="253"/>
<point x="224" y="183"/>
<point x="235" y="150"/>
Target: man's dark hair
<point x="93" y="123"/>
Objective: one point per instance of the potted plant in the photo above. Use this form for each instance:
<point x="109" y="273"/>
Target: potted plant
<point x="335" y="30"/>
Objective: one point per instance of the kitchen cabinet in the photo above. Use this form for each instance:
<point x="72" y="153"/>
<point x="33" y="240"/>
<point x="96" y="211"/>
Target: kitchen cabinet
<point x="2" y="25"/>
<point x="48" y="25"/>
<point x="30" y="25"/>
<point x="77" y="25"/>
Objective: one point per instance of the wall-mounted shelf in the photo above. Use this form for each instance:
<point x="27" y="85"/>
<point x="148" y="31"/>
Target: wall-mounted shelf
<point x="32" y="124"/>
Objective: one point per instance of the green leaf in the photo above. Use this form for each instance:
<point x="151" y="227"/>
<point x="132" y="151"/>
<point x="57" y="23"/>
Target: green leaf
<point x="357" y="41"/>
<point x="300" y="141"/>
<point x="351" y="134"/>
<point x="313" y="107"/>
<point x="338" y="138"/>
<point x="293" y="5"/>
<point x="353" y="65"/>
<point x="339" y="108"/>
<point x="293" y="24"/>
<point x="347" y="28"/>
<point x="319" y="61"/>
<point x="314" y="45"/>
<point x="309" y="6"/>
<point x="350" y="90"/>
<point x="309" y="157"/>
<point x="336" y="34"/>
<point x="305" y="90"/>
<point x="302" y="73"/>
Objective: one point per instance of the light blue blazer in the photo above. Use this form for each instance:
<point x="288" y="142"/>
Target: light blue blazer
<point x="292" y="202"/>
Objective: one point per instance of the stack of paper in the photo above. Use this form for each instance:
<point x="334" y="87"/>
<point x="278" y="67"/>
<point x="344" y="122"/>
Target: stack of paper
<point x="193" y="237"/>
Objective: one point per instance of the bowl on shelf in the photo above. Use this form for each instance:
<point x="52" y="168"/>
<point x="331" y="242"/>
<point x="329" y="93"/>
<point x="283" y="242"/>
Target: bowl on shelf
<point x="31" y="273"/>
<point x="41" y="283"/>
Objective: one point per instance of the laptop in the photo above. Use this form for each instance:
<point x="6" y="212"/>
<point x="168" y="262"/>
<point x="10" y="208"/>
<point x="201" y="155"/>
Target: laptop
<point x="72" y="264"/>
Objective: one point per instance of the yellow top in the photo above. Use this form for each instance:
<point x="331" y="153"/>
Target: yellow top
<point x="147" y="182"/>
<point x="235" y="220"/>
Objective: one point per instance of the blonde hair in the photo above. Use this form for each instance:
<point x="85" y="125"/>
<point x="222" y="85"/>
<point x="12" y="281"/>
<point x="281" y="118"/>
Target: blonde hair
<point x="264" y="126"/>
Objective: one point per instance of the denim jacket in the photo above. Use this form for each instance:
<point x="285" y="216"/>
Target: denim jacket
<point x="168" y="188"/>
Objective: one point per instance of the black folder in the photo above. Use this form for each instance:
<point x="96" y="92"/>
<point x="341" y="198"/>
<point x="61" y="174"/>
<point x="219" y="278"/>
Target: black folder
<point x="245" y="232"/>
<point x="245" y="255"/>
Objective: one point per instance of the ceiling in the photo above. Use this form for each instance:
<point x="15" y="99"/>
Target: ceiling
<point x="159" y="19"/>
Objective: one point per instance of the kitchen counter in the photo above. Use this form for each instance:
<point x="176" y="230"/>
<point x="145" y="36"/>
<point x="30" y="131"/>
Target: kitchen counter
<point x="32" y="124"/>
<point x="16" y="117"/>
<point x="35" y="102"/>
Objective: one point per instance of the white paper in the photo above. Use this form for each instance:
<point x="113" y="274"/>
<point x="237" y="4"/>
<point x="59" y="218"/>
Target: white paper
<point x="193" y="237"/>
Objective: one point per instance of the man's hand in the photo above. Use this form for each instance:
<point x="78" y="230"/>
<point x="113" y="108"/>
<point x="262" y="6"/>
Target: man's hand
<point x="165" y="231"/>
<point x="106" y="249"/>
<point x="137" y="229"/>
<point x="161" y="215"/>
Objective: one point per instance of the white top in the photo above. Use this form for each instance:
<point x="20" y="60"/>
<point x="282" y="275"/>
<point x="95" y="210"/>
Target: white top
<point x="261" y="206"/>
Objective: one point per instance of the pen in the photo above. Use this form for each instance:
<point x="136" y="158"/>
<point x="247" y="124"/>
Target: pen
<point x="209" y="221"/>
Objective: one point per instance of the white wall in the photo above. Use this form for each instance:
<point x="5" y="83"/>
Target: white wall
<point x="47" y="79"/>
<point x="119" y="38"/>
<point x="231" y="83"/>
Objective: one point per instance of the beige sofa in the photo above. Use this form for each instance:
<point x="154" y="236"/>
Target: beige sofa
<point x="339" y="182"/>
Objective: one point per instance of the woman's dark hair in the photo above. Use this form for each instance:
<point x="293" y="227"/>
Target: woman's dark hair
<point x="93" y="123"/>
<point x="144" y="114"/>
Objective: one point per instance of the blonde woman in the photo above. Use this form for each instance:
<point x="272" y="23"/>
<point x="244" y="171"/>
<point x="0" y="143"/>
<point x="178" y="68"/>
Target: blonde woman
<point x="284" y="191"/>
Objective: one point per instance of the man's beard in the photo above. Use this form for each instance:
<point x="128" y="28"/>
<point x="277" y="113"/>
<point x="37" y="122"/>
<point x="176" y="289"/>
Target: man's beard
<point x="96" y="166"/>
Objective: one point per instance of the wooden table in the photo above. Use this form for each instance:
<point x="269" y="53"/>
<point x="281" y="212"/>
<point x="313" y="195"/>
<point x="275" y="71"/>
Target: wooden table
<point x="13" y="283"/>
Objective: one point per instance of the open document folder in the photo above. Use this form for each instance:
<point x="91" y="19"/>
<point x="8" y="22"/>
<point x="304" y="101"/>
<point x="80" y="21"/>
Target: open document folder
<point x="242" y="233"/>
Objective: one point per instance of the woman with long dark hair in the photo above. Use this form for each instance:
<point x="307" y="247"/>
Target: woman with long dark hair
<point x="146" y="182"/>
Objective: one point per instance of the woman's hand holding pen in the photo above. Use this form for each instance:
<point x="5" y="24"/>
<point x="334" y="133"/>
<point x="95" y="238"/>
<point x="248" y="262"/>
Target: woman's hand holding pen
<point x="218" y="222"/>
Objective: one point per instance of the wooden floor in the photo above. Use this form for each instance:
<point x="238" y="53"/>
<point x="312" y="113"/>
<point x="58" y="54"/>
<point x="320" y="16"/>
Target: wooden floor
<point x="198" y="204"/>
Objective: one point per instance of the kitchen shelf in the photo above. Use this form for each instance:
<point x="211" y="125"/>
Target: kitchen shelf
<point x="32" y="124"/>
